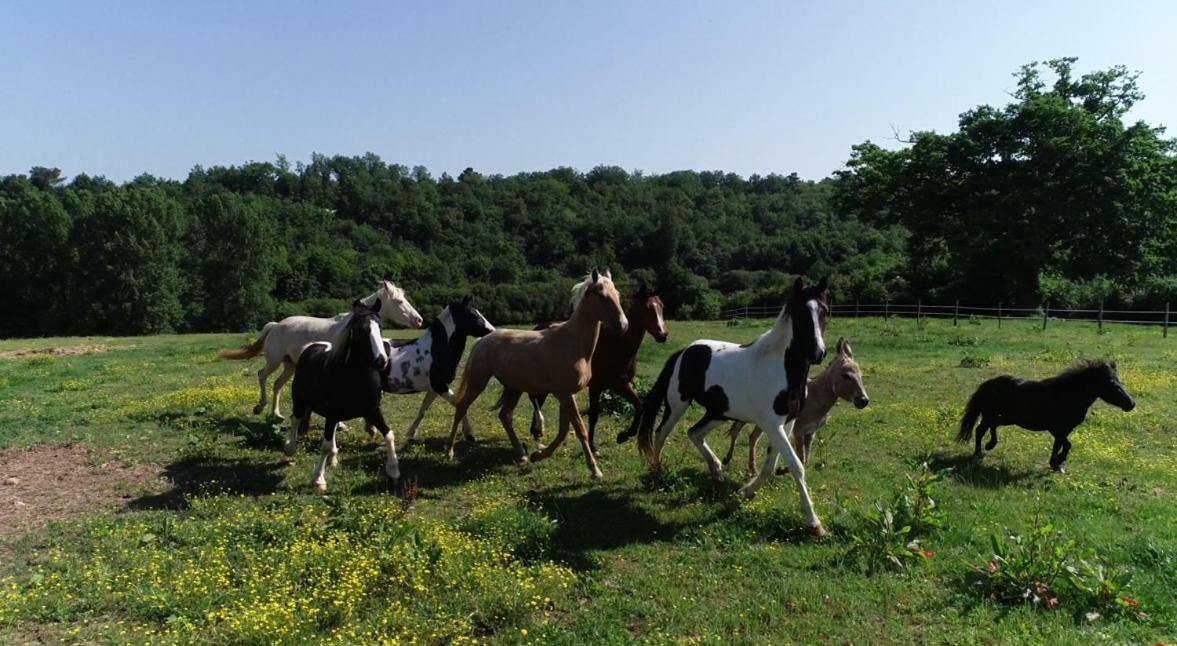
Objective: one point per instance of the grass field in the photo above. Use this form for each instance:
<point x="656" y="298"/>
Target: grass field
<point x="236" y="548"/>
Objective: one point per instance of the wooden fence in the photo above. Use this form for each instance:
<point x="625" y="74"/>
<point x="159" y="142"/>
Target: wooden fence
<point x="956" y="312"/>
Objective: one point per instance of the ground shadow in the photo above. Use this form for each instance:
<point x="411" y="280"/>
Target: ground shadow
<point x="213" y="474"/>
<point x="987" y="474"/>
<point x="425" y="463"/>
<point x="260" y="434"/>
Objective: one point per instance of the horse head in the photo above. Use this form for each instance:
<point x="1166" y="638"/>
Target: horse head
<point x="469" y="321"/>
<point x="807" y="307"/>
<point x="600" y="301"/>
<point x="1111" y="389"/>
<point x="396" y="306"/>
<point x="363" y="333"/>
<point x="848" y="376"/>
<point x="646" y="311"/>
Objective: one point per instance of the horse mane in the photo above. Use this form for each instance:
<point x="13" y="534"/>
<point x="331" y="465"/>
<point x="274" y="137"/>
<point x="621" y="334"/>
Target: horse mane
<point x="394" y="291"/>
<point x="581" y="288"/>
<point x="1082" y="368"/>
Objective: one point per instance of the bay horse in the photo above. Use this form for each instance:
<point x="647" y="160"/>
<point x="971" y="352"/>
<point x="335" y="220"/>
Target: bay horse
<point x="1057" y="405"/>
<point x="556" y="361"/>
<point x="841" y="380"/>
<point x="340" y="380"/>
<point x="282" y="341"/>
<point x="762" y="383"/>
<point x="429" y="363"/>
<point x="614" y="361"/>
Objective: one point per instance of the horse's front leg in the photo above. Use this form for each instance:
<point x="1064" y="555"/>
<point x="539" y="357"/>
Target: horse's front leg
<point x="980" y="435"/>
<point x="537" y="415"/>
<point x="544" y="452"/>
<point x="391" y="464"/>
<point x="327" y="453"/>
<point x="1058" y="453"/>
<point x="778" y="436"/>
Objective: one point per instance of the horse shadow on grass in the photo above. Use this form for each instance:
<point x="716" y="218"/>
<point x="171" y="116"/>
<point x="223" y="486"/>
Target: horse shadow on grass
<point x="971" y="471"/>
<point x="426" y="465"/>
<point x="207" y="474"/>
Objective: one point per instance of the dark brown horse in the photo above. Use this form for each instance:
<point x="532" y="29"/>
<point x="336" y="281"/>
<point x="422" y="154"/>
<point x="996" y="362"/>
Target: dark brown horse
<point x="615" y="361"/>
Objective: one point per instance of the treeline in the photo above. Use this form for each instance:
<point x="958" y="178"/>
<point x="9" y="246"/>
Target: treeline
<point x="1050" y="197"/>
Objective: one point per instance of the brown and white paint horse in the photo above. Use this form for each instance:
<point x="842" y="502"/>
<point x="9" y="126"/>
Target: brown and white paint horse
<point x="556" y="361"/>
<point x="841" y="380"/>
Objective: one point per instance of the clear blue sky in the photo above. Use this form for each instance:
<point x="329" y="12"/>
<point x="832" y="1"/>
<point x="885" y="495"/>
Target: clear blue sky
<point x="120" y="88"/>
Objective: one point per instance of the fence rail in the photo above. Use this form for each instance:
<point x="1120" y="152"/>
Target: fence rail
<point x="1044" y="313"/>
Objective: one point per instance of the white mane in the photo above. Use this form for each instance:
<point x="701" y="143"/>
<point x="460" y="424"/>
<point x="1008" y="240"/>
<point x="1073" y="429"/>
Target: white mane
<point x="579" y="289"/>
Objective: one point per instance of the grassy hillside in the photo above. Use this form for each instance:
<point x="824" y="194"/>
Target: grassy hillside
<point x="238" y="549"/>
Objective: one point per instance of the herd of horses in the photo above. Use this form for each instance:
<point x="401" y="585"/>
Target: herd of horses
<point x="341" y="367"/>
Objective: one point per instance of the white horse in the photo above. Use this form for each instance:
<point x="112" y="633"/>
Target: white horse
<point x="761" y="383"/>
<point x="284" y="340"/>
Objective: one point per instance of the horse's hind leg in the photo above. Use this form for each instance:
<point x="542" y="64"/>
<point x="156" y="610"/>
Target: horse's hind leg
<point x="734" y="434"/>
<point x="507" y="418"/>
<point x="753" y="442"/>
<point x="472" y="386"/>
<point x="262" y="375"/>
<point x="537" y="415"/>
<point x="411" y="434"/>
<point x="992" y="443"/>
<point x="698" y="434"/>
<point x="980" y="435"/>
<point x="673" y="414"/>
<point x="594" y="410"/>
<point x="1058" y="453"/>
<point x="630" y="396"/>
<point x="280" y="383"/>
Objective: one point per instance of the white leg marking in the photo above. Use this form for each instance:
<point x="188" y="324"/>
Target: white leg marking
<point x="319" y="480"/>
<point x="467" y="430"/>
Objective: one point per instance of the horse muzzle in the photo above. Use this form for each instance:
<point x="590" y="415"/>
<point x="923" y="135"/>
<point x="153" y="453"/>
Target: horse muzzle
<point x="381" y="363"/>
<point x="1129" y="405"/>
<point x="861" y="402"/>
<point x="661" y="337"/>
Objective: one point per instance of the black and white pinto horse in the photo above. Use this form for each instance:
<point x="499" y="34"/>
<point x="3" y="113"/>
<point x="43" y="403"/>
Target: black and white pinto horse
<point x="761" y="383"/>
<point x="340" y="380"/>
<point x="429" y="363"/>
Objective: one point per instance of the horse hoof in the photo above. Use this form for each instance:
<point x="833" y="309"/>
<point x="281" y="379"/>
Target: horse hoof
<point x="622" y="438"/>
<point x="1059" y="470"/>
<point x="321" y="487"/>
<point x="717" y="477"/>
<point x="278" y="416"/>
<point x="747" y="493"/>
<point x="470" y="439"/>
<point x="449" y="454"/>
<point x="819" y="531"/>
<point x="597" y="475"/>
<point x="257" y="410"/>
<point x="535" y="456"/>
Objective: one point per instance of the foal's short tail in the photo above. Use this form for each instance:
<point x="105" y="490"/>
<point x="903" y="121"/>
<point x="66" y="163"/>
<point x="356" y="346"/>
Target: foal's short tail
<point x="250" y="351"/>
<point x="643" y="422"/>
<point x="971" y="412"/>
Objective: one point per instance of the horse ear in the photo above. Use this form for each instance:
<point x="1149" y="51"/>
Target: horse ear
<point x="466" y="300"/>
<point x="798" y="285"/>
<point x="823" y="284"/>
<point x="608" y="274"/>
<point x="357" y="304"/>
<point x="642" y="289"/>
<point x="596" y="275"/>
<point x="1113" y="365"/>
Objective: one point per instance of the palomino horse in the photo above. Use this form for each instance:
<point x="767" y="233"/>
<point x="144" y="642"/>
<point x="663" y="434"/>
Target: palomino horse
<point x="283" y="341"/>
<point x="761" y="383"/>
<point x="842" y="379"/>
<point x="429" y="363"/>
<point x="615" y="362"/>
<point x="340" y="380"/>
<point x="1058" y="405"/>
<point x="557" y="361"/>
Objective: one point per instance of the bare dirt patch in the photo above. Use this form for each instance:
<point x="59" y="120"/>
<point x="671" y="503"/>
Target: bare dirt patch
<point x="58" y="351"/>
<point x="48" y="483"/>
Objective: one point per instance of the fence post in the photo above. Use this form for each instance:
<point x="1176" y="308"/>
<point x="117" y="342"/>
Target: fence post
<point x="856" y="308"/>
<point x="999" y="304"/>
<point x="886" y="309"/>
<point x="1165" y="332"/>
<point x="955" y="313"/>
<point x="1045" y="313"/>
<point x="919" y="310"/>
<point x="1101" y="316"/>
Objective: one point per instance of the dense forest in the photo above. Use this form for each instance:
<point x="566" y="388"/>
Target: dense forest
<point x="1051" y="197"/>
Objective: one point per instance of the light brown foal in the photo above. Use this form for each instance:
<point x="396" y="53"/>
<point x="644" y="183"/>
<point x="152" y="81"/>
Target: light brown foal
<point x="842" y="379"/>
<point x="556" y="361"/>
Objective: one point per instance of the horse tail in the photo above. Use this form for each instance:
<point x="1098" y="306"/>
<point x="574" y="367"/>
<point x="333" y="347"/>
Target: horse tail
<point x="250" y="351"/>
<point x="972" y="411"/>
<point x="643" y="422"/>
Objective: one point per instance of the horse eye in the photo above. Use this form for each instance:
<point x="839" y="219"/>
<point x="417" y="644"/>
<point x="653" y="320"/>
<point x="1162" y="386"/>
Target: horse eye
<point x="847" y="376"/>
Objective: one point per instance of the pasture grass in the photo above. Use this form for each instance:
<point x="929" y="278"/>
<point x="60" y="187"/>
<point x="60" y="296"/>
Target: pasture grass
<point x="239" y="549"/>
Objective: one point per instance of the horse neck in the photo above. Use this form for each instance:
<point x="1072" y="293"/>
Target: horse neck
<point x="583" y="327"/>
<point x="633" y="337"/>
<point x="777" y="339"/>
<point x="822" y="396"/>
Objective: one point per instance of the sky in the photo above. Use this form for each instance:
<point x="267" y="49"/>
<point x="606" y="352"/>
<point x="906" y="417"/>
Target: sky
<point x="122" y="88"/>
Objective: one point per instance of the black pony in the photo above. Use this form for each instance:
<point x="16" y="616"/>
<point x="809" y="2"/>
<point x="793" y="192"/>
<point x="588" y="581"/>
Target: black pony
<point x="341" y="381"/>
<point x="1057" y="404"/>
